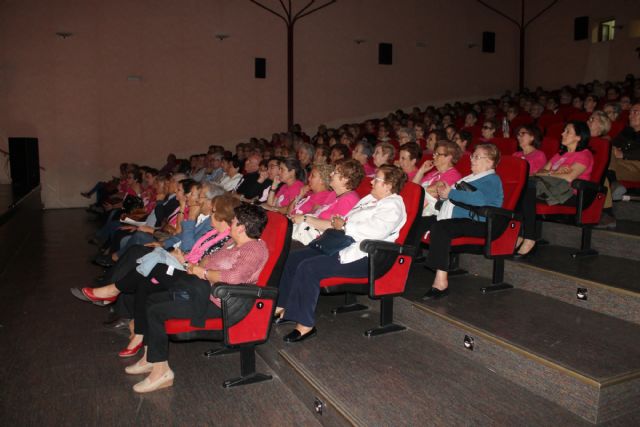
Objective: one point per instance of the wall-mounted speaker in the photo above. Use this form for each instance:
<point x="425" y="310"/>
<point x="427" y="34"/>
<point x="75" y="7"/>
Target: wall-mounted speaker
<point x="261" y="68"/>
<point x="581" y="28"/>
<point x="385" y="54"/>
<point x="489" y="41"/>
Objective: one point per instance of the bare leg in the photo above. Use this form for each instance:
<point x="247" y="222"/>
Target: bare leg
<point x="106" y="291"/>
<point x="527" y="246"/>
<point x="441" y="281"/>
<point x="303" y="329"/>
<point x="159" y="369"/>
<point x="135" y="340"/>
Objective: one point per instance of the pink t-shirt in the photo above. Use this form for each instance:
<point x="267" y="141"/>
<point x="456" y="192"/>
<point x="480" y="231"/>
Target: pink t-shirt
<point x="313" y="201"/>
<point x="369" y="169"/>
<point x="583" y="157"/>
<point x="340" y="206"/>
<point x="450" y="176"/>
<point x="287" y="193"/>
<point x="410" y="175"/>
<point x="536" y="159"/>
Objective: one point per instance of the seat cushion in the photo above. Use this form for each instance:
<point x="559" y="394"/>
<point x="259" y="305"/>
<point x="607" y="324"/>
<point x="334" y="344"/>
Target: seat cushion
<point x="335" y="281"/>
<point x="544" y="209"/>
<point x="179" y="326"/>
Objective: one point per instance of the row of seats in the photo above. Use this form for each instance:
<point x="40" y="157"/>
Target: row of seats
<point x="248" y="309"/>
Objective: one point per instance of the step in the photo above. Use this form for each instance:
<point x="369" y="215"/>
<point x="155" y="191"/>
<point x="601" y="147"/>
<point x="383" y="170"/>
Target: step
<point x="616" y="243"/>
<point x="585" y="361"/>
<point x="610" y="283"/>
<point x="403" y="378"/>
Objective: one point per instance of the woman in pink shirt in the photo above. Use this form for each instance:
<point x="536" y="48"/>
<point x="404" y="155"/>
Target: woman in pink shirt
<point x="344" y="180"/>
<point x="574" y="161"/>
<point x="410" y="153"/>
<point x="317" y="193"/>
<point x="529" y="142"/>
<point x="292" y="177"/>
<point x="441" y="168"/>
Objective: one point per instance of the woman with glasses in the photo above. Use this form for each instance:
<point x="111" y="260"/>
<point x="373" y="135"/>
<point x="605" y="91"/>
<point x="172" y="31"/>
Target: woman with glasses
<point x="378" y="216"/>
<point x="345" y="178"/>
<point x="482" y="188"/>
<point x="528" y="148"/>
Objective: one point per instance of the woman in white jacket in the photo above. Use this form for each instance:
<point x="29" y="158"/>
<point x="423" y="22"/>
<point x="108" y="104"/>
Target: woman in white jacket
<point x="378" y="216"/>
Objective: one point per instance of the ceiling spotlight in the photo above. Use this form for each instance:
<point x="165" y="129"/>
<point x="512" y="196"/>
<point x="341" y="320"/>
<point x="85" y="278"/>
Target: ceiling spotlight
<point x="221" y="36"/>
<point x="359" y="41"/>
<point x="63" y="34"/>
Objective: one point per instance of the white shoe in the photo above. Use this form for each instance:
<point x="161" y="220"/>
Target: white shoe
<point x="138" y="368"/>
<point x="146" y="386"/>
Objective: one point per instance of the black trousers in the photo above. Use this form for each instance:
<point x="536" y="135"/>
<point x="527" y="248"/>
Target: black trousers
<point x="527" y="208"/>
<point x="443" y="232"/>
<point x="161" y="307"/>
<point x="125" y="264"/>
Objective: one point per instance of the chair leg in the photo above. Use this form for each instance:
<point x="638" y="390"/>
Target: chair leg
<point x="248" y="374"/>
<point x="386" y="319"/>
<point x="350" y="305"/>
<point x="219" y="351"/>
<point x="585" y="244"/>
<point x="497" y="282"/>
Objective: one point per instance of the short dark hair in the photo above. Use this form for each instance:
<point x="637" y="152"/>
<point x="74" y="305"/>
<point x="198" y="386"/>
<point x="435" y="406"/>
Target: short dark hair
<point x="253" y="217"/>
<point x="414" y="150"/>
<point x="534" y="131"/>
<point x="352" y="170"/>
<point x="188" y="184"/>
<point x="395" y="176"/>
<point x="344" y="150"/>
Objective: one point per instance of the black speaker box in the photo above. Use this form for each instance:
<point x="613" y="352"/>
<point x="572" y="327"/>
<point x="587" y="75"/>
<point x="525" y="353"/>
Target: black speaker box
<point x="385" y="54"/>
<point x="489" y="41"/>
<point x="25" y="164"/>
<point x="581" y="28"/>
<point x="261" y="68"/>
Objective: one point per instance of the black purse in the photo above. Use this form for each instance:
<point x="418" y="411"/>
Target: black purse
<point x="331" y="242"/>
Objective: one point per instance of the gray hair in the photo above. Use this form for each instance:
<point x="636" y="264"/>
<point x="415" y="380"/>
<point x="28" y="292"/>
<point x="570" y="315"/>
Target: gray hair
<point x="410" y="133"/>
<point x="366" y="147"/>
<point x="308" y="148"/>
<point x="212" y="190"/>
<point x="604" y="120"/>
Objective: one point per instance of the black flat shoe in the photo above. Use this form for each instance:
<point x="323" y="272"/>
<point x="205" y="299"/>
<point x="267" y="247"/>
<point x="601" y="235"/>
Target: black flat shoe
<point x="296" y="336"/>
<point x="527" y="255"/>
<point x="434" y="293"/>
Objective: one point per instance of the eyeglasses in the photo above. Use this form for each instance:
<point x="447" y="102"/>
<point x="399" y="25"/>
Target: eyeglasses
<point x="523" y="133"/>
<point x="436" y="154"/>
<point x="476" y="157"/>
<point x="487" y="127"/>
<point x="377" y="178"/>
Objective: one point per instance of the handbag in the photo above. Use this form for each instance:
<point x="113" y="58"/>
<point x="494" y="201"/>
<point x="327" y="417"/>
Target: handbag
<point x="304" y="233"/>
<point x="331" y="242"/>
<point x="552" y="190"/>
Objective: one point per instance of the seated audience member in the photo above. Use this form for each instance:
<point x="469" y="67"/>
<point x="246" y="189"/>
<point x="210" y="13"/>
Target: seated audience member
<point x="199" y="171"/>
<point x="322" y="154"/>
<point x="214" y="172"/>
<point x="104" y="189"/>
<point x="238" y="263"/>
<point x="419" y="129"/>
<point x="450" y="131"/>
<point x="432" y="139"/>
<point x="339" y="152"/>
<point x="463" y="139"/>
<point x="599" y="126"/>
<point x="441" y="168"/>
<point x="379" y="216"/>
<point x="316" y="193"/>
<point x="406" y="135"/>
<point x="169" y="166"/>
<point x="345" y="178"/>
<point x="305" y="155"/>
<point x="137" y="280"/>
<point x="528" y="137"/>
<point x="363" y="153"/>
<point x="455" y="221"/>
<point x="625" y="158"/>
<point x="488" y="131"/>
<point x="410" y="154"/>
<point x="232" y="176"/>
<point x="253" y="182"/>
<point x="383" y="154"/>
<point x="573" y="161"/>
<point x="286" y="186"/>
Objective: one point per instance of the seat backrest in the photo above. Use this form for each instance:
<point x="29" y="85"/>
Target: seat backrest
<point x="554" y="130"/>
<point x="413" y="197"/>
<point x="513" y="173"/>
<point x="364" y="188"/>
<point x="277" y="236"/>
<point x="550" y="147"/>
<point x="601" y="149"/>
<point x="506" y="146"/>
<point x="464" y="164"/>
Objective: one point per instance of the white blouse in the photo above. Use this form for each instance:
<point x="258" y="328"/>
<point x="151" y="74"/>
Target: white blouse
<point x="373" y="219"/>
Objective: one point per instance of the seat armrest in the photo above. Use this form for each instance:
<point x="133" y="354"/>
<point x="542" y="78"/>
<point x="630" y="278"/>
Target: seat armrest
<point x="225" y="291"/>
<point x="582" y="185"/>
<point x="492" y="211"/>
<point x="370" y="246"/>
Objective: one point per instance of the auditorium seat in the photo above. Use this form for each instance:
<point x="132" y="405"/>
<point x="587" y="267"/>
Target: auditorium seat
<point x="554" y="130"/>
<point x="389" y="265"/>
<point x="590" y="198"/>
<point x="506" y="146"/>
<point x="513" y="173"/>
<point x="247" y="309"/>
<point x="550" y="147"/>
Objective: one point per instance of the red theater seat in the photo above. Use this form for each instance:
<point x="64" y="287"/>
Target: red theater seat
<point x="389" y="265"/>
<point x="590" y="198"/>
<point x="247" y="309"/>
<point x="555" y="130"/>
<point x="550" y="147"/>
<point x="506" y="146"/>
<point x="513" y="173"/>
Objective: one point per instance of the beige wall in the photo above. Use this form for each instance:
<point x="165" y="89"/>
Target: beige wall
<point x="75" y="96"/>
